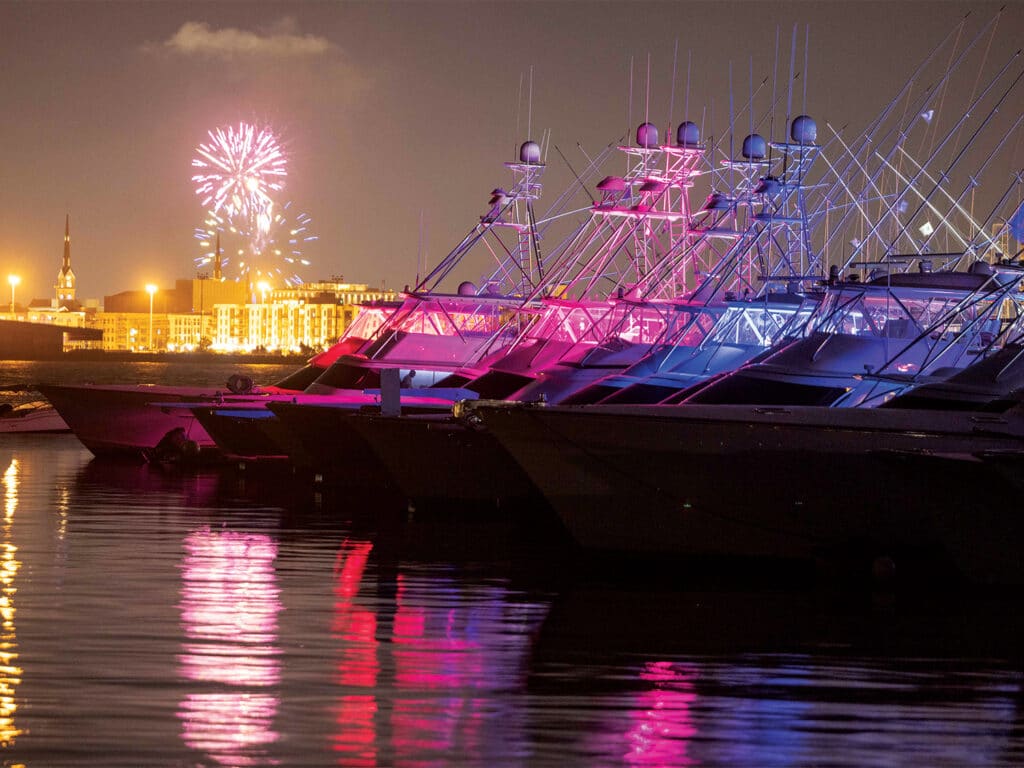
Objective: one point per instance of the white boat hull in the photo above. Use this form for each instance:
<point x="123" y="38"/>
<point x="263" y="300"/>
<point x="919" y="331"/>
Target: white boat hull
<point x="121" y="420"/>
<point x="32" y="418"/>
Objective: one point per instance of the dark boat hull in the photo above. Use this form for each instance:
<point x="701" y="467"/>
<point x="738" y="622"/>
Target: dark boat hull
<point x="322" y="444"/>
<point x="441" y="463"/>
<point x="244" y="435"/>
<point x="777" y="483"/>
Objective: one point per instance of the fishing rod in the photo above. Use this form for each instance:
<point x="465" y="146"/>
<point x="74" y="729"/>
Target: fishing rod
<point x="936" y="153"/>
<point x="870" y="136"/>
<point x="955" y="203"/>
<point x="959" y="156"/>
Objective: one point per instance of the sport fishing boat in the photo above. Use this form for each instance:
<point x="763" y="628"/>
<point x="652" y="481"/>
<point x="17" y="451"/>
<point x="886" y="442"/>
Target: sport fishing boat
<point x="629" y="205"/>
<point x="422" y="330"/>
<point x="435" y="330"/>
<point x="800" y="483"/>
<point x="870" y="341"/>
<point x="606" y="468"/>
<point x="651" y="197"/>
<point x="761" y="463"/>
<point x="127" y="420"/>
<point x="928" y="475"/>
<point x="419" y="450"/>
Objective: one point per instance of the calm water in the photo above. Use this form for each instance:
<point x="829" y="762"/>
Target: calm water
<point x="153" y="617"/>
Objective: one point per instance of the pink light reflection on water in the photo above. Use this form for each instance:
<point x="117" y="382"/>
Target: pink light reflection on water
<point x="358" y="666"/>
<point x="229" y="606"/>
<point x="424" y="693"/>
<point x="662" y="719"/>
<point x="435" y="649"/>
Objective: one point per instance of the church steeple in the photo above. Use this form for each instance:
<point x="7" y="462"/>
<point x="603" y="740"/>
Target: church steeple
<point x="66" y="277"/>
<point x="216" y="261"/>
<point x="67" y="244"/>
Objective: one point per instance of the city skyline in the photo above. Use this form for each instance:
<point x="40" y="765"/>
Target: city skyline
<point x="396" y="118"/>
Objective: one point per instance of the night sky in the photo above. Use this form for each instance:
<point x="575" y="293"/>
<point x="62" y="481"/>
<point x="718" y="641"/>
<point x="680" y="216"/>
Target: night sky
<point x="390" y="112"/>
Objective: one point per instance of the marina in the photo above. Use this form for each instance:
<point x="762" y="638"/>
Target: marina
<point x="263" y="627"/>
<point x="612" y="384"/>
<point x="694" y="437"/>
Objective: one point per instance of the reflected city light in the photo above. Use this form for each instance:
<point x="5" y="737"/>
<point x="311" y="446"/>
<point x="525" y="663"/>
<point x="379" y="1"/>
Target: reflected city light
<point x="11" y="490"/>
<point x="63" y="509"/>
<point x="229" y="606"/>
<point x="10" y="673"/>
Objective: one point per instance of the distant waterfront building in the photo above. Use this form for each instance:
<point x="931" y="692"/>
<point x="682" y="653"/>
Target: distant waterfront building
<point x="308" y="316"/>
<point x="204" y="313"/>
<point x="198" y="295"/>
<point x="201" y="294"/>
<point x="129" y="330"/>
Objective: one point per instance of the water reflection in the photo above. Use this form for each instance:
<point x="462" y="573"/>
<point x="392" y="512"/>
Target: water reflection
<point x="107" y="481"/>
<point x="699" y="679"/>
<point x="355" y="627"/>
<point x="10" y="673"/>
<point x="425" y="659"/>
<point x="150" y="621"/>
<point x="229" y="607"/>
<point x="662" y="720"/>
<point x="442" y="664"/>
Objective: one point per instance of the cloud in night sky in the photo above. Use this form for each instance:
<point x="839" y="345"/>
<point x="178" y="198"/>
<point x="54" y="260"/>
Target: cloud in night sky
<point x="195" y="38"/>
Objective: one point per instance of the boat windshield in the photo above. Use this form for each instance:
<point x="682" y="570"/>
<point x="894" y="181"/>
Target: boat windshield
<point x="570" y="322"/>
<point x="368" y="321"/>
<point x="592" y="324"/>
<point x="650" y="323"/>
<point x="899" y="315"/>
<point x="757" y="324"/>
<point x="449" y="329"/>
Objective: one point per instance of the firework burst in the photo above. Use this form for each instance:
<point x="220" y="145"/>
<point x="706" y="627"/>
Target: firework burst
<point x="273" y="253"/>
<point x="237" y="171"/>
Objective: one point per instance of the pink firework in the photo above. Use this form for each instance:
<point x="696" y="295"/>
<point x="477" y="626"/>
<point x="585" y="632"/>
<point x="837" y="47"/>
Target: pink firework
<point x="237" y="170"/>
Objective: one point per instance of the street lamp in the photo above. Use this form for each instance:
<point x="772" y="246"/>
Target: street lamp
<point x="151" y="289"/>
<point x="15" y="281"/>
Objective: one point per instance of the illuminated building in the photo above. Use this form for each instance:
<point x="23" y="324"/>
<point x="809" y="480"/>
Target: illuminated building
<point x="309" y="316"/>
<point x="196" y="314"/>
<point x="218" y="315"/>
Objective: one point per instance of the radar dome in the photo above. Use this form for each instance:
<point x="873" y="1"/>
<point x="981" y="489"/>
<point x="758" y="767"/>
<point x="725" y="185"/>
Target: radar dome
<point x="804" y="130"/>
<point x="466" y="288"/>
<point x="688" y="134"/>
<point x="529" y="153"/>
<point x="754" y="147"/>
<point x="647" y="135"/>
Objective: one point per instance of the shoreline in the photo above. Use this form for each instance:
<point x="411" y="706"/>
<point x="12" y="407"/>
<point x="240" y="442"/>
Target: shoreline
<point x="188" y="358"/>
